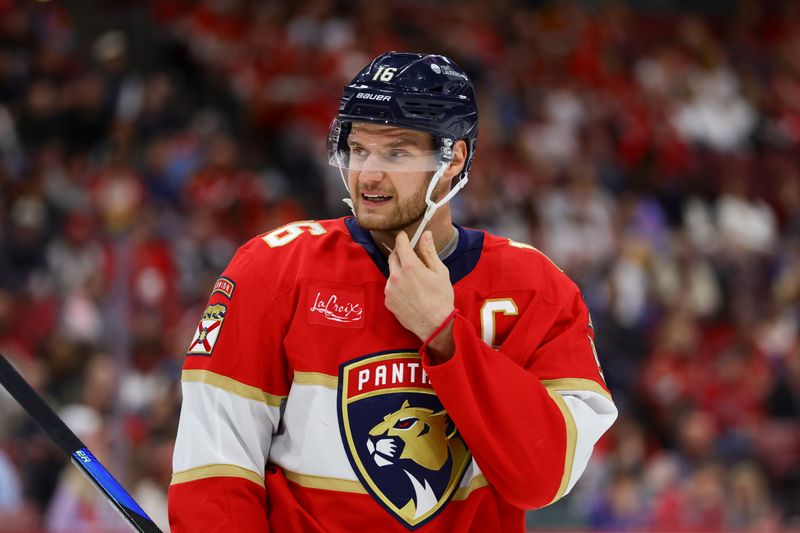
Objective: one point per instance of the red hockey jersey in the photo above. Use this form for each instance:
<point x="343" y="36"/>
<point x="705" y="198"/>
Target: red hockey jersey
<point x="308" y="407"/>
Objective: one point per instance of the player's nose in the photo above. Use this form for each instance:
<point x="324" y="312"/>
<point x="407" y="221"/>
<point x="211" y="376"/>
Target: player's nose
<point x="370" y="171"/>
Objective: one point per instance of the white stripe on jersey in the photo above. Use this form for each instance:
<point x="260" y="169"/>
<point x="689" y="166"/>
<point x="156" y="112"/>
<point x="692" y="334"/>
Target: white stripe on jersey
<point x="218" y="427"/>
<point x="310" y="443"/>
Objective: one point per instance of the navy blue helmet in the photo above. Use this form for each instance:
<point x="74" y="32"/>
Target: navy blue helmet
<point x="423" y="92"/>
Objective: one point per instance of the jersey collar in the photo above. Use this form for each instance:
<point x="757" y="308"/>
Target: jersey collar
<point x="460" y="263"/>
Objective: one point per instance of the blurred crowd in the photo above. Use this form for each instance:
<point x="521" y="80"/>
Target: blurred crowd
<point x="652" y="154"/>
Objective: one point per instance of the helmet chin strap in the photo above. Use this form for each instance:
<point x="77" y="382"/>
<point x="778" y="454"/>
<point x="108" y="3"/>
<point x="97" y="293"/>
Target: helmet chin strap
<point x="433" y="206"/>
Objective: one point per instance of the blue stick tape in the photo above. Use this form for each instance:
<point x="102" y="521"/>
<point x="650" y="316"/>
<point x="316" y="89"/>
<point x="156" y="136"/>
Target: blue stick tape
<point x="95" y="469"/>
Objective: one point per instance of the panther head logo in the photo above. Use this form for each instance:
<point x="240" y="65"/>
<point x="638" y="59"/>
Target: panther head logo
<point x="402" y="444"/>
<point x="424" y="433"/>
<point x="428" y="439"/>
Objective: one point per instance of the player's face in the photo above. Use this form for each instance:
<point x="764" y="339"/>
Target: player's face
<point x="389" y="175"/>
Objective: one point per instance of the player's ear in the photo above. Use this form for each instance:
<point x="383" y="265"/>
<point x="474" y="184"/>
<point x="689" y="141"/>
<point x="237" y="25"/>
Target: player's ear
<point x="459" y="158"/>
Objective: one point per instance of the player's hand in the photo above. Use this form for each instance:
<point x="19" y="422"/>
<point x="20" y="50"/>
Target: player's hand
<point x="418" y="290"/>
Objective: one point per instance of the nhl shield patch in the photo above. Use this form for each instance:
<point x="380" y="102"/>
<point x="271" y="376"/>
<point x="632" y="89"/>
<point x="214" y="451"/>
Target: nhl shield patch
<point x="207" y="333"/>
<point x="400" y="441"/>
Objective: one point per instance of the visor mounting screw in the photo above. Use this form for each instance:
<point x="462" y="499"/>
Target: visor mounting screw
<point x="447" y="149"/>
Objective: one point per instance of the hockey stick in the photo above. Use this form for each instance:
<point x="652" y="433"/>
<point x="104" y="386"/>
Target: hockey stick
<point x="70" y="444"/>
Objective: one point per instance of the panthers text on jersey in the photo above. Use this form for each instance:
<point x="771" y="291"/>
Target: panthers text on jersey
<point x="308" y="407"/>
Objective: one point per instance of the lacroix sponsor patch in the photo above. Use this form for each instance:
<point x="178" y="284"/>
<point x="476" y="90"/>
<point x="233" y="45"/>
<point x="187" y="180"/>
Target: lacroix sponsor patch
<point x="335" y="307"/>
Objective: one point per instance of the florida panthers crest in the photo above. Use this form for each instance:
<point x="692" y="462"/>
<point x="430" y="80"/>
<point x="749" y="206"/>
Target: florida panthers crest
<point x="398" y="437"/>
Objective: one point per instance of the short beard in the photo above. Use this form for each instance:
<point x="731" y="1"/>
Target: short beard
<point x="408" y="213"/>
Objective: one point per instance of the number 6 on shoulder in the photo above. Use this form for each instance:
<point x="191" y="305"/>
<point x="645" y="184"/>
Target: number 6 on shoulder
<point x="286" y="234"/>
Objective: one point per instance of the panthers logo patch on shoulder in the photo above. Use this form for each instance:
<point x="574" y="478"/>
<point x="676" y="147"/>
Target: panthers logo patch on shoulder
<point x="207" y="333"/>
<point x="400" y="441"/>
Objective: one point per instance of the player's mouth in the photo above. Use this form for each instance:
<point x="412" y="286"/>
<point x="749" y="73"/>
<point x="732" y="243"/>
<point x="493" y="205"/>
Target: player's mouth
<point x="374" y="199"/>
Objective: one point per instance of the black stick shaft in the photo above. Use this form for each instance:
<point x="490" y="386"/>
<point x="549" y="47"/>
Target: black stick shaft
<point x="38" y="409"/>
<point x="70" y="444"/>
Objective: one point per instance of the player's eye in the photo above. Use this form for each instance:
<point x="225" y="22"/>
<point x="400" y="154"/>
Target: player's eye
<point x="358" y="151"/>
<point x="398" y="154"/>
<point x="405" y="423"/>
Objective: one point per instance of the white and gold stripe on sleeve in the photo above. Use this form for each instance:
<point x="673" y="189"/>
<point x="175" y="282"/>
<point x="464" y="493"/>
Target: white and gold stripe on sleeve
<point x="588" y="412"/>
<point x="225" y="428"/>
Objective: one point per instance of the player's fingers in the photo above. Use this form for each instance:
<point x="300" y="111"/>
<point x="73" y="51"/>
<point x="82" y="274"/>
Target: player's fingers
<point x="403" y="249"/>
<point x="428" y="253"/>
<point x="394" y="261"/>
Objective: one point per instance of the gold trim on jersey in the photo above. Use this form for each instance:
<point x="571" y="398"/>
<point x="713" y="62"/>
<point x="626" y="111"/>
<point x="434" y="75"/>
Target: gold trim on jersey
<point x="231" y="385"/>
<point x="207" y="471"/>
<point x="462" y="493"/>
<point x="325" y="483"/>
<point x="576" y="384"/>
<point x="316" y="378"/>
<point x="346" y="485"/>
<point x="572" y="437"/>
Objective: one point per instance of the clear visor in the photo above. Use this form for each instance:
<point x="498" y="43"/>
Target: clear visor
<point x="380" y="149"/>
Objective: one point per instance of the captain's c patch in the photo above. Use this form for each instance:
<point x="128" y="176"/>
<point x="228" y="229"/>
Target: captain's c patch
<point x="208" y="330"/>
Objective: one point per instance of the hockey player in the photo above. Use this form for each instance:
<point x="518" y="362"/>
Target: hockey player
<point x="388" y="371"/>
